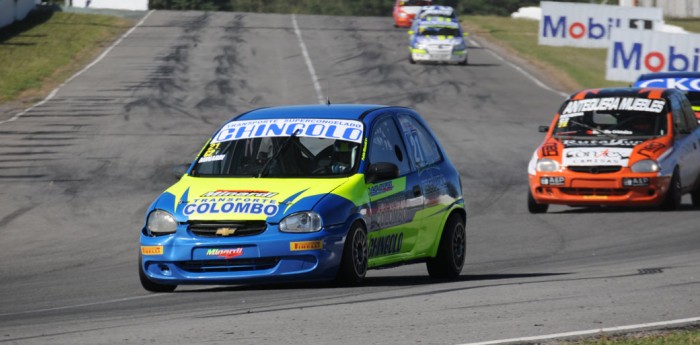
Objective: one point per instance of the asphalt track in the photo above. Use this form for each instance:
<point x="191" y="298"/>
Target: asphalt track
<point x="78" y="171"/>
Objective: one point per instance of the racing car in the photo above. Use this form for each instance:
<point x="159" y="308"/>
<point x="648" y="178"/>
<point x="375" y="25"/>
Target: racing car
<point x="406" y="10"/>
<point x="689" y="82"/>
<point x="437" y="39"/>
<point x="318" y="192"/>
<point x="618" y="146"/>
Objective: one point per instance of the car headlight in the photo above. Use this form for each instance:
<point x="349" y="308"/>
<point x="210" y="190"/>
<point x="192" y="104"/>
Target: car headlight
<point x="460" y="46"/>
<point x="547" y="165"/>
<point x="301" y="222"/>
<point x="161" y="222"/>
<point x="645" y="166"/>
<point x="419" y="46"/>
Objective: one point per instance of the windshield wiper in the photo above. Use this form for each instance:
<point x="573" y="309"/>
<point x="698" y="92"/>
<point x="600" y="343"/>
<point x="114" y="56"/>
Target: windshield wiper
<point x="595" y="130"/>
<point x="279" y="151"/>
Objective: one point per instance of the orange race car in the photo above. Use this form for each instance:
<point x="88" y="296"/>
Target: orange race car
<point x="405" y="11"/>
<point x="618" y="146"/>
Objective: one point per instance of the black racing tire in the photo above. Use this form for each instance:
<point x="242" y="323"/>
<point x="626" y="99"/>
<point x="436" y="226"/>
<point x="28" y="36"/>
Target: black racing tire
<point x="465" y="62"/>
<point x="533" y="206"/>
<point x="452" y="251"/>
<point x="353" y="264"/>
<point x="410" y="59"/>
<point x="150" y="285"/>
<point x="672" y="200"/>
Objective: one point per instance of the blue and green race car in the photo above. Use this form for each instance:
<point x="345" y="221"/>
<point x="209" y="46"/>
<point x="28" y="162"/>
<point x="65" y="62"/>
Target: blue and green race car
<point x="319" y="192"/>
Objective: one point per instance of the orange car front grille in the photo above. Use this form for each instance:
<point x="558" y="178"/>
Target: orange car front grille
<point x="595" y="191"/>
<point x="595" y="169"/>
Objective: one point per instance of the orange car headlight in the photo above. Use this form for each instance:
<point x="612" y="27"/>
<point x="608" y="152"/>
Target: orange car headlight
<point x="547" y="165"/>
<point x="645" y="166"/>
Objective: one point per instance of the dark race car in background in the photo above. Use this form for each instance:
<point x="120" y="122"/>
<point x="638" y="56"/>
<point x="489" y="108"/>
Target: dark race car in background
<point x="688" y="82"/>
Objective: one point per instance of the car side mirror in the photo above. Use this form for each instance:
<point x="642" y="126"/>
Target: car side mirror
<point x="410" y="32"/>
<point x="543" y="129"/>
<point x="381" y="172"/>
<point x="465" y="34"/>
<point x="180" y="170"/>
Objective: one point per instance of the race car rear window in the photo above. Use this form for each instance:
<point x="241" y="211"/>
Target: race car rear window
<point x="612" y="116"/>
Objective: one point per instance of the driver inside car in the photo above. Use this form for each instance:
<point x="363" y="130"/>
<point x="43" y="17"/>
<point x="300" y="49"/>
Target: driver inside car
<point x="342" y="157"/>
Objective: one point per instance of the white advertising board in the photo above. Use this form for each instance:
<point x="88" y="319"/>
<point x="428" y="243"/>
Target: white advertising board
<point x="631" y="53"/>
<point x="590" y="25"/>
<point x="133" y="5"/>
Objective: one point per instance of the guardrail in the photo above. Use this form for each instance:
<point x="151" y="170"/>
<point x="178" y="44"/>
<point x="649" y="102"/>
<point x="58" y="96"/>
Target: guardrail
<point x="14" y="10"/>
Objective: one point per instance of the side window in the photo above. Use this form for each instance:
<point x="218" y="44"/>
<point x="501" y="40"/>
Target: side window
<point x="679" y="124"/>
<point x="690" y="119"/>
<point x="386" y="145"/>
<point x="422" y="146"/>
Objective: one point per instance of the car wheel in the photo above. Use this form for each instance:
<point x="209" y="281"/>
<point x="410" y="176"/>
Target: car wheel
<point x="353" y="265"/>
<point x="452" y="250"/>
<point x="150" y="285"/>
<point x="533" y="206"/>
<point x="465" y="62"/>
<point x="672" y="201"/>
<point x="410" y="59"/>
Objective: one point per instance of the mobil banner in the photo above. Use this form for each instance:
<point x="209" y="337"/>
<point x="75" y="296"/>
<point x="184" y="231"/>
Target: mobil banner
<point x="631" y="53"/>
<point x="590" y="25"/>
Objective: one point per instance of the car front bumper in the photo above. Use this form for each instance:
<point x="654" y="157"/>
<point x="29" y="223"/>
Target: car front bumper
<point x="599" y="189"/>
<point x="272" y="256"/>
<point x="421" y="55"/>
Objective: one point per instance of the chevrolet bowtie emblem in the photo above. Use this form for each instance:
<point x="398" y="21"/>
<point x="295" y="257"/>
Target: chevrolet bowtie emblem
<point x="226" y="231"/>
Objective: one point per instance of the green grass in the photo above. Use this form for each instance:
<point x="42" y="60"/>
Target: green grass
<point x="575" y="68"/>
<point x="44" y="49"/>
<point x="690" y="337"/>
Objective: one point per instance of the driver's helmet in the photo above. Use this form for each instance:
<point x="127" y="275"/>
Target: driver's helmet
<point x="343" y="156"/>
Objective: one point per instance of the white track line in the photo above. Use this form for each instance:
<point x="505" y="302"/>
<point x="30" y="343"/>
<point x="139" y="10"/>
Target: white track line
<point x="305" y="52"/>
<point x="93" y="63"/>
<point x="591" y="331"/>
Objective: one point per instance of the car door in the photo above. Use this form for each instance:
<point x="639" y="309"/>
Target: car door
<point x="427" y="159"/>
<point x="394" y="204"/>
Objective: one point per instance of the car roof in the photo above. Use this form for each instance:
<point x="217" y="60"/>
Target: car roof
<point x="317" y="111"/>
<point x="638" y="92"/>
<point x="664" y="75"/>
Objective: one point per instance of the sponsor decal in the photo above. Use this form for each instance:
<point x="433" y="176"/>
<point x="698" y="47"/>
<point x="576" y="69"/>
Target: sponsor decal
<point x="381" y="188"/>
<point x="225" y="253"/>
<point x="603" y="143"/>
<point x="615" y="103"/>
<point x="348" y="130"/>
<point x="305" y="245"/>
<point x="152" y="250"/>
<point x="384" y="245"/>
<point x="550" y="149"/>
<point x="230" y="207"/>
<point x="212" y="159"/>
<point x="635" y="182"/>
<point x="683" y="84"/>
<point x="596" y="156"/>
<point x="552" y="180"/>
<point x="239" y="193"/>
<point x="652" y="148"/>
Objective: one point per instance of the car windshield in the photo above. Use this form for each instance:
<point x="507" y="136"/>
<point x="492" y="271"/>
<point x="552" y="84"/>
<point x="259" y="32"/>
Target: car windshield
<point x="299" y="148"/>
<point x="694" y="98"/>
<point x="437" y="31"/>
<point x="612" y="117"/>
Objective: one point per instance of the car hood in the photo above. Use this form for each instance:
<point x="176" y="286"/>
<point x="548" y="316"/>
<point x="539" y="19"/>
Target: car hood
<point x="603" y="152"/>
<point x="197" y="198"/>
<point x="439" y="40"/>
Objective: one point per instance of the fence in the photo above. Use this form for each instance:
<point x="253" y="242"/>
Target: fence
<point x="13" y="10"/>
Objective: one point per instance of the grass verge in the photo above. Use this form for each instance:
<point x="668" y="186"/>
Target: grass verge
<point x="678" y="337"/>
<point x="573" y="68"/>
<point x="43" y="50"/>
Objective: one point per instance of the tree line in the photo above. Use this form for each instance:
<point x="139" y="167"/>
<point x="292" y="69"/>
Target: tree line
<point x="345" y="7"/>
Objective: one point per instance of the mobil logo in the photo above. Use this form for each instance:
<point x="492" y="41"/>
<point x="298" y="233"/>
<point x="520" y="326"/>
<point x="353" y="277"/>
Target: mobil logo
<point x="563" y="27"/>
<point x="637" y="56"/>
